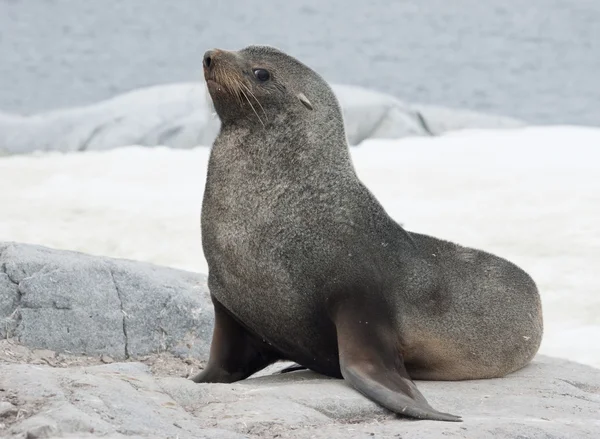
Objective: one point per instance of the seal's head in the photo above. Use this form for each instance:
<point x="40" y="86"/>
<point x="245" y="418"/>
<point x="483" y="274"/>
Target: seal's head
<point x="262" y="85"/>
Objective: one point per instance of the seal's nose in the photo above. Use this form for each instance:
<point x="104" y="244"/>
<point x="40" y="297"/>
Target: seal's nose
<point x="208" y="59"/>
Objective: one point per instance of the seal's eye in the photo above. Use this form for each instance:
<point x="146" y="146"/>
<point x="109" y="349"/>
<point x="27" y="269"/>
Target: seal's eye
<point x="262" y="75"/>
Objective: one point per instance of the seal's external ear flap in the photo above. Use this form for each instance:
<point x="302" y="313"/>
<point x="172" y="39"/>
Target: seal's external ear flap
<point x="304" y="101"/>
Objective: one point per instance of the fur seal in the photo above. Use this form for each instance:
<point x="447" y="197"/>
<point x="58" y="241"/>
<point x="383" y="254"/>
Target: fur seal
<point x="305" y="264"/>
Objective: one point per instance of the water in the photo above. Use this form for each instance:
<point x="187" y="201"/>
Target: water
<point x="537" y="60"/>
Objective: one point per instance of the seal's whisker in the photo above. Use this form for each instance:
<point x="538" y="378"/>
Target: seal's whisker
<point x="230" y="85"/>
<point x="236" y="83"/>
<point x="236" y="91"/>
<point x="227" y="81"/>
<point x="253" y="109"/>
<point x="254" y="96"/>
<point x="234" y="86"/>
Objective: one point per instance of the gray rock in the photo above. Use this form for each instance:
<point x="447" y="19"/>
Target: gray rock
<point x="68" y="301"/>
<point x="72" y="302"/>
<point x="372" y="115"/>
<point x="439" y="120"/>
<point x="180" y="116"/>
<point x="7" y="409"/>
<point x="550" y="398"/>
<point x="9" y="299"/>
<point x="120" y="400"/>
<point x="158" y="115"/>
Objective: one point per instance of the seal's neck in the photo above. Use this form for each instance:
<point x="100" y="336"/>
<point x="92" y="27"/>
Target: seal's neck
<point x="288" y="143"/>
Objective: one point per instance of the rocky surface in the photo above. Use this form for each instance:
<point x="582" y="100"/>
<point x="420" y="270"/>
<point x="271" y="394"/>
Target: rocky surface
<point x="180" y="116"/>
<point x="94" y="346"/>
<point x="81" y="304"/>
<point x="439" y="120"/>
<point x="550" y="398"/>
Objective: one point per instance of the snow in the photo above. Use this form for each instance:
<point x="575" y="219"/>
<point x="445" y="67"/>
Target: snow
<point x="531" y="195"/>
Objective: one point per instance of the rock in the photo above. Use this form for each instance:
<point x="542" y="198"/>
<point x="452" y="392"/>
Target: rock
<point x="7" y="409"/>
<point x="41" y="432"/>
<point x="174" y="115"/>
<point x="106" y="359"/>
<point x="121" y="399"/>
<point x="180" y="116"/>
<point x="63" y="301"/>
<point x="372" y="115"/>
<point x="550" y="398"/>
<point x="44" y="356"/>
<point x="439" y="120"/>
<point x="76" y="303"/>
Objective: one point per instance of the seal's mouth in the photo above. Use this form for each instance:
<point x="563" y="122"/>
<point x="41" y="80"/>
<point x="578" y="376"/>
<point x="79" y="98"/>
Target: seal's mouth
<point x="216" y="88"/>
<point x="211" y="83"/>
<point x="217" y="78"/>
<point x="210" y="76"/>
<point x="224" y="81"/>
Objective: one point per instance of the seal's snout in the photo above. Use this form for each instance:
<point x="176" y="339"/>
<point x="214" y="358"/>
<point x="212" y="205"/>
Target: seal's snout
<point x="208" y="62"/>
<point x="208" y="59"/>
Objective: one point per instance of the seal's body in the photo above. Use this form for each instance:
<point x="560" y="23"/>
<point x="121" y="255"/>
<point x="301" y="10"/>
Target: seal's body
<point x="306" y="265"/>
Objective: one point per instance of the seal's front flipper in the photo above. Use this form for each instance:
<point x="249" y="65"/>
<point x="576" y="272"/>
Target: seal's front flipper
<point x="235" y="354"/>
<point x="371" y="361"/>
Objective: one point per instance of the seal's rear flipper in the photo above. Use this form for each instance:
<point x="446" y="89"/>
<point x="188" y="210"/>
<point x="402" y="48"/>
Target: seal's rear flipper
<point x="371" y="362"/>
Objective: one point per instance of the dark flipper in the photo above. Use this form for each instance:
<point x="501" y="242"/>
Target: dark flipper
<point x="235" y="354"/>
<point x="371" y="361"/>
